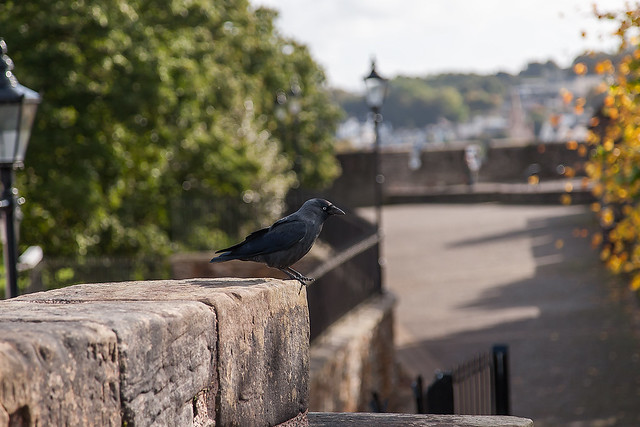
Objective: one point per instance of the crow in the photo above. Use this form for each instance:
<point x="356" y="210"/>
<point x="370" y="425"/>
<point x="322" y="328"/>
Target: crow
<point x="286" y="241"/>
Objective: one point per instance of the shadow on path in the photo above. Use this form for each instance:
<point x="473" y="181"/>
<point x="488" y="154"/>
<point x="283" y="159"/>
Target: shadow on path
<point x="577" y="362"/>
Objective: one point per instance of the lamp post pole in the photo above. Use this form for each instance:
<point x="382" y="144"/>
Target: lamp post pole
<point x="7" y="204"/>
<point x="379" y="177"/>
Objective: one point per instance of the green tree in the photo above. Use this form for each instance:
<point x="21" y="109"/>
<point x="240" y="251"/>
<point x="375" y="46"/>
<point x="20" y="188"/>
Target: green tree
<point x="149" y="102"/>
<point x="412" y="103"/>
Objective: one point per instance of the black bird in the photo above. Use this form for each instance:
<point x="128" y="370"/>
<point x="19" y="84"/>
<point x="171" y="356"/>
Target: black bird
<point x="286" y="241"/>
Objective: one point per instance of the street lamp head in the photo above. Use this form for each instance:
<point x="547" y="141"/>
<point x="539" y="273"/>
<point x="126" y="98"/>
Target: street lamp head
<point x="18" y="105"/>
<point x="376" y="88"/>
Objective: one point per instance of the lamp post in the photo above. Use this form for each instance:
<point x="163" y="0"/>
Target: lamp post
<point x="18" y="105"/>
<point x="376" y="92"/>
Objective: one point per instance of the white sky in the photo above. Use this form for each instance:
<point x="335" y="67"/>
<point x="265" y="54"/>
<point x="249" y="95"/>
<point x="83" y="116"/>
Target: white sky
<point x="419" y="37"/>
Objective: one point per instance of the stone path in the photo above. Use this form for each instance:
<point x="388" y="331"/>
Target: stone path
<point x="469" y="276"/>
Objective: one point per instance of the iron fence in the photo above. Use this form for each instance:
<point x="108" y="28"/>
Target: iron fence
<point x="479" y="386"/>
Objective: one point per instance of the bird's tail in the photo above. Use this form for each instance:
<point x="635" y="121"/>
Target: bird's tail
<point x="226" y="256"/>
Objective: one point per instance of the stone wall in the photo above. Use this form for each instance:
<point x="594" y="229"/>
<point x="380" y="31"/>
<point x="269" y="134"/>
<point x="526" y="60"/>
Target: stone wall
<point x="446" y="166"/>
<point x="189" y="352"/>
<point x="354" y="358"/>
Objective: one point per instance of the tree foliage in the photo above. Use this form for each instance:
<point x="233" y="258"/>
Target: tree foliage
<point x="615" y="161"/>
<point x="150" y="104"/>
<point x="420" y="101"/>
<point x="414" y="104"/>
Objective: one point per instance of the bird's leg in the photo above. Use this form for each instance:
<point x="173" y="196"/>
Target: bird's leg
<point x="292" y="275"/>
<point x="295" y="275"/>
<point x="299" y="275"/>
<point x="300" y="278"/>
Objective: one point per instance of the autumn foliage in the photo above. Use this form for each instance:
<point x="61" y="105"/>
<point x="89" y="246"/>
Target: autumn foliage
<point x="614" y="165"/>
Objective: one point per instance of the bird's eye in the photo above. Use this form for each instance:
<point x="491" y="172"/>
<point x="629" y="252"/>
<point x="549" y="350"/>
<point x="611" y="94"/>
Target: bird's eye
<point x="324" y="208"/>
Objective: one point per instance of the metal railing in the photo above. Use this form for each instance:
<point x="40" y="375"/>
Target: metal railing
<point x="479" y="386"/>
<point x="349" y="276"/>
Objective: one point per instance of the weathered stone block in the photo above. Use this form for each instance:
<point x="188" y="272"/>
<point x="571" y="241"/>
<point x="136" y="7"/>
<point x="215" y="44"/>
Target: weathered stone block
<point x="233" y="352"/>
<point x="264" y="358"/>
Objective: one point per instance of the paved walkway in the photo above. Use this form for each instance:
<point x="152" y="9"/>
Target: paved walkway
<point x="469" y="276"/>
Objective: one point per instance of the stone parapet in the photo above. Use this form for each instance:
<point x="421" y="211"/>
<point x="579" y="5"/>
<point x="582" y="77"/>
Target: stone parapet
<point x="188" y="352"/>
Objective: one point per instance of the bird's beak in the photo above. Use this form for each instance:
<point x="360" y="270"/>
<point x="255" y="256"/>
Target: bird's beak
<point x="334" y="210"/>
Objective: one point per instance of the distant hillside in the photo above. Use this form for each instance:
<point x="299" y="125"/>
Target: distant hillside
<point x="419" y="101"/>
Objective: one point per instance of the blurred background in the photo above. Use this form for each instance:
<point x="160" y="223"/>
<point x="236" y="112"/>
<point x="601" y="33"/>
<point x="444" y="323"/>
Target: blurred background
<point x="486" y="153"/>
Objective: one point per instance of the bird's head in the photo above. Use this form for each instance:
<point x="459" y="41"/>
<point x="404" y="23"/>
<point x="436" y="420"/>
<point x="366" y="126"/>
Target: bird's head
<point x="322" y="207"/>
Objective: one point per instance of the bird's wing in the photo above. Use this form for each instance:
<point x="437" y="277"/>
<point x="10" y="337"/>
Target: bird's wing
<point x="251" y="236"/>
<point x="283" y="234"/>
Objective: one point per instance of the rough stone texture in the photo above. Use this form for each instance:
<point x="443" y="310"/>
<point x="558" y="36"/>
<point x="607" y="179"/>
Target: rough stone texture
<point x="63" y="373"/>
<point x="354" y="358"/>
<point x="165" y="349"/>
<point x="183" y="352"/>
<point x="263" y="353"/>
<point x="319" y="419"/>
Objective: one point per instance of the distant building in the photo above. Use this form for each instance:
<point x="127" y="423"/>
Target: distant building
<point x="519" y="129"/>
<point x="537" y="109"/>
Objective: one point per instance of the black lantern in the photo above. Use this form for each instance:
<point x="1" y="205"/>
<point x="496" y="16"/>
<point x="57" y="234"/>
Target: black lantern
<point x="376" y="89"/>
<point x="18" y="105"/>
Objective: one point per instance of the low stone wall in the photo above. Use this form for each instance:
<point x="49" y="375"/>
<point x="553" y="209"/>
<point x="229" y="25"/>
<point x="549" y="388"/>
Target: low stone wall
<point x="196" y="352"/>
<point x="354" y="358"/>
<point x="190" y="352"/>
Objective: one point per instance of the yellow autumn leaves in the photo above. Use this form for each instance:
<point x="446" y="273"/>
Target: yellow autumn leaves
<point x="614" y="165"/>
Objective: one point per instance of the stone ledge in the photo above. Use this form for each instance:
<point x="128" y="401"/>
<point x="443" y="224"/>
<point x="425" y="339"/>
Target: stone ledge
<point x="161" y="352"/>
<point x="327" y="419"/>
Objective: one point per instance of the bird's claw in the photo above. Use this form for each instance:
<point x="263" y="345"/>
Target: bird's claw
<point x="303" y="279"/>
